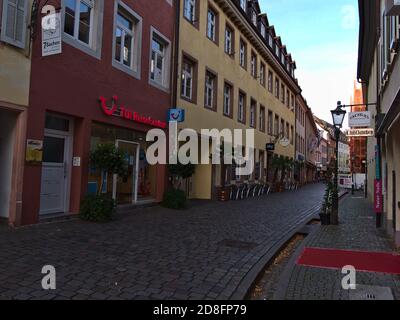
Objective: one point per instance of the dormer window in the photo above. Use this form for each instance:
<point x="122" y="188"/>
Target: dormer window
<point x="263" y="30"/>
<point x="270" y="41"/>
<point x="254" y="18"/>
<point x="243" y="5"/>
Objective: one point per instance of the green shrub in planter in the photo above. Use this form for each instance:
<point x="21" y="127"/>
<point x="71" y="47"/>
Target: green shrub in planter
<point x="97" y="208"/>
<point x="174" y="199"/>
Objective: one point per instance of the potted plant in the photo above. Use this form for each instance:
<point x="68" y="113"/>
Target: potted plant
<point x="108" y="159"/>
<point x="326" y="210"/>
<point x="175" y="197"/>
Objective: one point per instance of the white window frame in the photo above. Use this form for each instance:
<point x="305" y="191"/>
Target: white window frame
<point x="209" y="90"/>
<point x="262" y="119"/>
<point x="96" y="31"/>
<point x="211" y="24"/>
<point x="189" y="7"/>
<point x="135" y="69"/>
<point x="227" y="99"/>
<point x="243" y="5"/>
<point x="242" y="54"/>
<point x="262" y="74"/>
<point x="253" y="109"/>
<point x="3" y="36"/>
<point x="165" y="79"/>
<point x="241" y="107"/>
<point x="253" y="65"/>
<point x="228" y="40"/>
<point x="187" y="74"/>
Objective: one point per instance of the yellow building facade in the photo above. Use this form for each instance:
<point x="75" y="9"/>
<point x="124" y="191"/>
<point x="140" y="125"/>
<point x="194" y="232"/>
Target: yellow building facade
<point x="15" y="66"/>
<point x="234" y="73"/>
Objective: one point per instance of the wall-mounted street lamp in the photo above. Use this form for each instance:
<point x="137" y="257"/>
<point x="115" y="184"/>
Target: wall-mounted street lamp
<point x="338" y="116"/>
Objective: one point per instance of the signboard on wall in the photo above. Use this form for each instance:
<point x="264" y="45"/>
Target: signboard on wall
<point x="51" y="35"/>
<point x="361" y="132"/>
<point x="34" y="151"/>
<point x="359" y="119"/>
<point x="176" y="115"/>
<point x="378" y="196"/>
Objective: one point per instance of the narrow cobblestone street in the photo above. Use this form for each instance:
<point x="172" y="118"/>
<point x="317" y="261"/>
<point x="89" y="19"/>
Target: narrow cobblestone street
<point x="154" y="253"/>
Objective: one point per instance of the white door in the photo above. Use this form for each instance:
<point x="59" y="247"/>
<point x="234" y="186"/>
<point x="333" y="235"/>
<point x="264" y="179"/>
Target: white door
<point x="54" y="174"/>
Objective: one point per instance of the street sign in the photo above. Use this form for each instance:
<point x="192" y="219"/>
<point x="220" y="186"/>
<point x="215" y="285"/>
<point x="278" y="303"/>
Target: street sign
<point x="369" y="132"/>
<point x="176" y="115"/>
<point x="270" y="147"/>
<point x="359" y="119"/>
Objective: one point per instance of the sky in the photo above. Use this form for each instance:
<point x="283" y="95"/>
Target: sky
<point x="322" y="37"/>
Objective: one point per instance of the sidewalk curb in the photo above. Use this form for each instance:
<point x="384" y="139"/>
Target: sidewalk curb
<point x="284" y="278"/>
<point x="248" y="280"/>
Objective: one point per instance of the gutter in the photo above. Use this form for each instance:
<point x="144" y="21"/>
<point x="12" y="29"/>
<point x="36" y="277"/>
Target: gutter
<point x="175" y="74"/>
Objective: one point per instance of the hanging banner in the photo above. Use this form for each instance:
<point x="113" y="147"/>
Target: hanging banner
<point x="378" y="196"/>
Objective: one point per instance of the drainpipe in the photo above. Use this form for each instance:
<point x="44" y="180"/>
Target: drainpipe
<point x="175" y="73"/>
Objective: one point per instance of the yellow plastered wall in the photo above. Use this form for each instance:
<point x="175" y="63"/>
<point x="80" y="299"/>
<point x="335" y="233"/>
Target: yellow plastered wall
<point x="195" y="44"/>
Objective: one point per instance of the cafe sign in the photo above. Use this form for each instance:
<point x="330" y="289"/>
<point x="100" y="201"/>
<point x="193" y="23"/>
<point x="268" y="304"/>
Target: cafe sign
<point x="361" y="132"/>
<point x="359" y="119"/>
<point x="127" y="114"/>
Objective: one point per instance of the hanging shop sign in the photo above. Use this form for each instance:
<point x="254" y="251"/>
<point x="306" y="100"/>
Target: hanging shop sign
<point x="123" y="112"/>
<point x="284" y="142"/>
<point x="361" y="132"/>
<point x="51" y="35"/>
<point x="270" y="147"/>
<point x="176" y="115"/>
<point x="34" y="151"/>
<point x="359" y="119"/>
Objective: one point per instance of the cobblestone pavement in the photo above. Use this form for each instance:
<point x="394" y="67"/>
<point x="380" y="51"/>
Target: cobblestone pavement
<point x="357" y="231"/>
<point x="152" y="253"/>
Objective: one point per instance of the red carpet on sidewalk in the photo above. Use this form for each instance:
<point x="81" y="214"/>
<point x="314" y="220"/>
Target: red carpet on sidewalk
<point x="363" y="261"/>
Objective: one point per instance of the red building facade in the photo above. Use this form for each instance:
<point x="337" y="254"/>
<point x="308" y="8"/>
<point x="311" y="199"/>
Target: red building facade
<point x="110" y="84"/>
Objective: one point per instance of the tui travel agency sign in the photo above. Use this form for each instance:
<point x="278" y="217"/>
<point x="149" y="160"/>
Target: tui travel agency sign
<point x="359" y="119"/>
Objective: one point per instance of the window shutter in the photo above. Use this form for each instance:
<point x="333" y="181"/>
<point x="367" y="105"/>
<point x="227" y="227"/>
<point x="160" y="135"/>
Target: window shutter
<point x="14" y="22"/>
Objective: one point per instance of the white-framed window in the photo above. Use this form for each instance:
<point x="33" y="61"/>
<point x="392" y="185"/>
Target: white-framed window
<point x="262" y="119"/>
<point x="227" y="99"/>
<point x="263" y="30"/>
<point x="189" y="10"/>
<point x="241" y="107"/>
<point x="283" y="97"/>
<point x="243" y="5"/>
<point x="254" y="17"/>
<point x="228" y="40"/>
<point x="211" y="24"/>
<point x="253" y="65"/>
<point x="187" y="79"/>
<point x="270" y="81"/>
<point x="270" y="123"/>
<point x="82" y="22"/>
<point x="262" y="74"/>
<point x="253" y="110"/>
<point x="287" y="98"/>
<point x="127" y="39"/>
<point x="210" y="92"/>
<point x="242" y="54"/>
<point x="79" y="19"/>
<point x="14" y="22"/>
<point x="160" y="59"/>
<point x="270" y="41"/>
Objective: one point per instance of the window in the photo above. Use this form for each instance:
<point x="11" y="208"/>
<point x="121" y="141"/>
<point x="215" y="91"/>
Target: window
<point x="14" y="23"/>
<point x="229" y="40"/>
<point x="262" y="119"/>
<point x="228" y="99"/>
<point x="159" y="62"/>
<point x="243" y="5"/>
<point x="126" y="53"/>
<point x="253" y="65"/>
<point x="262" y="74"/>
<point x="287" y="133"/>
<point x="253" y="113"/>
<point x="282" y="130"/>
<point x="270" y="123"/>
<point x="293" y="103"/>
<point x="291" y="135"/>
<point x="242" y="108"/>
<point x="79" y="19"/>
<point x="243" y="54"/>
<point x="287" y="98"/>
<point x="283" y="93"/>
<point x="210" y="95"/>
<point x="270" y="81"/>
<point x="254" y="17"/>
<point x="189" y="10"/>
<point x="277" y="93"/>
<point x="276" y="126"/>
<point x="188" y="84"/>
<point x="263" y="30"/>
<point x="212" y="25"/>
